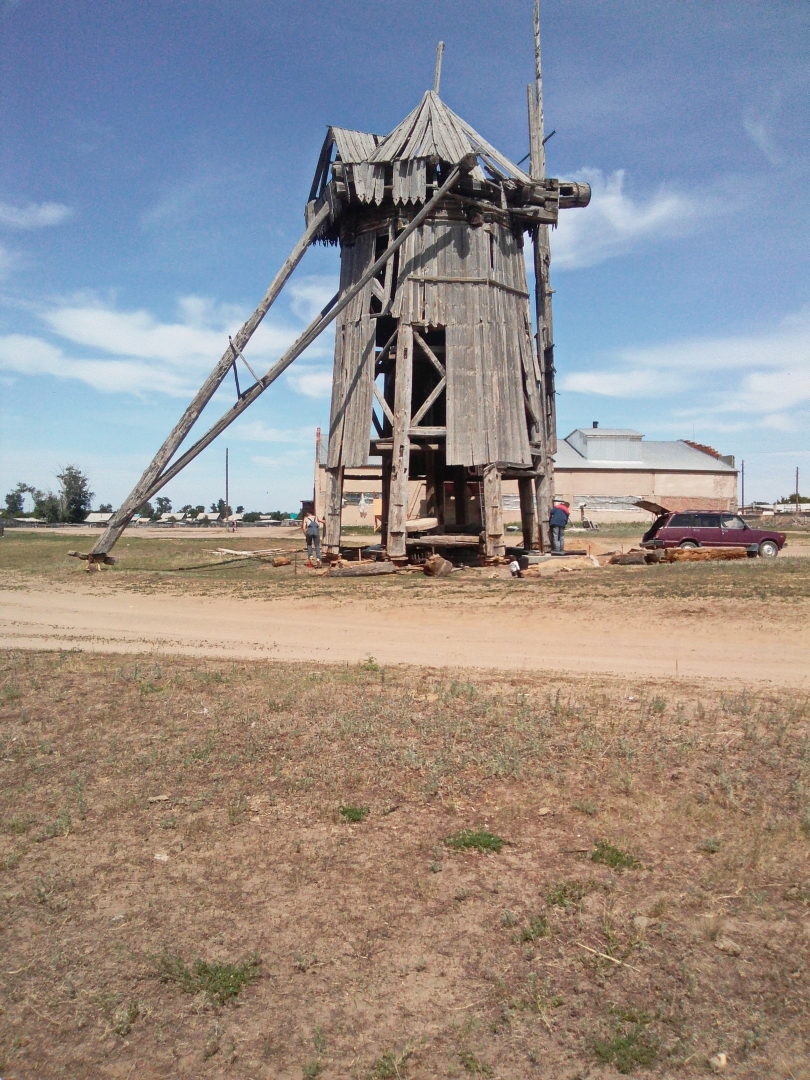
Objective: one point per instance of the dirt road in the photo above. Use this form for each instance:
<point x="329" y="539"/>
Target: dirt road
<point x="618" y="638"/>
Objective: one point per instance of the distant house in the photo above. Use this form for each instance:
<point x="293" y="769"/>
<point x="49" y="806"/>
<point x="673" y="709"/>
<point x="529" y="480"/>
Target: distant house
<point x="97" y="518"/>
<point x="601" y="472"/>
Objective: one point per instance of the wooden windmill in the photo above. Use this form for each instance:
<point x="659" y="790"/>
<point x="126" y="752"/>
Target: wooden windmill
<point x="436" y="372"/>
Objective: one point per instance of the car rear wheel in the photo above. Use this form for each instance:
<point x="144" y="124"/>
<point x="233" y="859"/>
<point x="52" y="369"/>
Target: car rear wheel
<point x="768" y="549"/>
<point x="688" y="544"/>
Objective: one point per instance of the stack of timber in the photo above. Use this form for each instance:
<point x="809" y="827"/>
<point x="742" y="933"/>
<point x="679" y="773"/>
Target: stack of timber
<point x="704" y="554"/>
<point x="361" y="569"/>
<point x="672" y="555"/>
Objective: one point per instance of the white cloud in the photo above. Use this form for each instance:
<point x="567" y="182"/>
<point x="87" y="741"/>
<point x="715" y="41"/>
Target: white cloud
<point x="759" y="131"/>
<point x="629" y="383"/>
<point x="32" y="356"/>
<point x="257" y="431"/>
<point x="310" y="295"/>
<point x="761" y="378"/>
<point x="34" y="215"/>
<point x="137" y="353"/>
<point x="614" y="222"/>
<point x="314" y="384"/>
<point x="136" y="333"/>
<point x="7" y="260"/>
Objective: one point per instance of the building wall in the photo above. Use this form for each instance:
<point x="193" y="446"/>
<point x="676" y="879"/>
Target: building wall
<point x="675" y="490"/>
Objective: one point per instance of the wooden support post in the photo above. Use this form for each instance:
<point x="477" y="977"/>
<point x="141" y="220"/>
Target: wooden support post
<point x="460" y="496"/>
<point x="386" y="499"/>
<point x="528" y="514"/>
<point x="431" y="500"/>
<point x="439" y="473"/>
<point x="401" y="453"/>
<point x="493" y="514"/>
<point x="334" y="509"/>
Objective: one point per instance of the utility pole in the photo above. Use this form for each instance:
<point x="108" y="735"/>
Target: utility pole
<point x="797" y="489"/>
<point x="742" y="474"/>
<point x="227" y="507"/>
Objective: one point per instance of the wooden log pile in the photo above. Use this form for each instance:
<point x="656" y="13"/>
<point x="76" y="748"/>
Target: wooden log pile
<point x="361" y="569"/>
<point x="637" y="557"/>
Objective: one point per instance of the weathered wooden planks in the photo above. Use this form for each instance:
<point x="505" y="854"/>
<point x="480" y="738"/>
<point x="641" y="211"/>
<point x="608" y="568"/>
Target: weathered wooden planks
<point x="493" y="514"/>
<point x="401" y="449"/>
<point x="334" y="508"/>
<point x="353" y="372"/>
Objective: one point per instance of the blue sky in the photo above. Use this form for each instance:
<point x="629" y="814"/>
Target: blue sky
<point x="155" y="158"/>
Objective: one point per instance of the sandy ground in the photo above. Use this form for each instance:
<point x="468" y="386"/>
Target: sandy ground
<point x="621" y="638"/>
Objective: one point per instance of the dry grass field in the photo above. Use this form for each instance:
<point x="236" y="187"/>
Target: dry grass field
<point x="267" y="870"/>
<point x="191" y="566"/>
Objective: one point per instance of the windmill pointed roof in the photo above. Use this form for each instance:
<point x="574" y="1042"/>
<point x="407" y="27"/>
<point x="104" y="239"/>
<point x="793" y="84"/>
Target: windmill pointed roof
<point x="432" y="129"/>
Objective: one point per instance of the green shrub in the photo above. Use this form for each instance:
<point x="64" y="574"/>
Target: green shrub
<point x="474" y="839"/>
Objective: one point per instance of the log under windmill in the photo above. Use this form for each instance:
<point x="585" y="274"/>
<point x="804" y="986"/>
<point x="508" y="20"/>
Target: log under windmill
<point x="437" y="372"/>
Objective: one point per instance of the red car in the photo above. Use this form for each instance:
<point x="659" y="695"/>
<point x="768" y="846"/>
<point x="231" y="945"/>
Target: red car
<point x="703" y="528"/>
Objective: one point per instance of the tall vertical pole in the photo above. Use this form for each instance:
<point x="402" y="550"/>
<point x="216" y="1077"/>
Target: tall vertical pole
<point x="542" y="286"/>
<point x="437" y="77"/>
<point x="317" y="500"/>
<point x="797" y="489"/>
<point x="227" y="504"/>
<point x="742" y="507"/>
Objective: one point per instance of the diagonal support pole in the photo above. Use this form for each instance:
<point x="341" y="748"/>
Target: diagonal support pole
<point x="159" y="474"/>
<point x="138" y="496"/>
<point x="310" y="334"/>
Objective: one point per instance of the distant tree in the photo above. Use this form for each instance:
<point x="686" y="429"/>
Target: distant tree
<point x="47" y="506"/>
<point x="251" y="516"/>
<point x="784" y="500"/>
<point x="186" y="509"/>
<point x="220" y="509"/>
<point x="15" y="500"/>
<point x="240" y="509"/>
<point x="105" y="508"/>
<point x="75" y="496"/>
<point x="147" y="510"/>
<point x="164" y="505"/>
<point x="200" y="509"/>
<point x="191" y="512"/>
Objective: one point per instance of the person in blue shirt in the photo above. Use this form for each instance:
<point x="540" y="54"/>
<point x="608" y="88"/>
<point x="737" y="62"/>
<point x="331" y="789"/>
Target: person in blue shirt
<point x="558" y="519"/>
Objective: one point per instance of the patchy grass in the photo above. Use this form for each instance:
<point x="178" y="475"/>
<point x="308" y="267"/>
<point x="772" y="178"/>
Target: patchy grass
<point x="171" y="563"/>
<point x="567" y="894"/>
<point x="220" y="982"/>
<point x="613" y="857"/>
<point x="474" y="840"/>
<point x="535" y="928"/>
<point x="154" y="842"/>
<point x="354" y="814"/>
<point x="630" y="1046"/>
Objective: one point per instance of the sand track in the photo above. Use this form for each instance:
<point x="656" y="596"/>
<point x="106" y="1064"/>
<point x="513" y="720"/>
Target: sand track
<point x="617" y="638"/>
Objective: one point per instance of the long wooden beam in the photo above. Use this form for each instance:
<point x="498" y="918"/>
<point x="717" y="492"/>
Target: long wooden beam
<point x="542" y="286"/>
<point x="139" y="495"/>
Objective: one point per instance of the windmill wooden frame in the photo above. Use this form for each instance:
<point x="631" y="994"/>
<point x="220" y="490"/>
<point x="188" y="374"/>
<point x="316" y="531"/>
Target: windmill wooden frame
<point x="435" y="369"/>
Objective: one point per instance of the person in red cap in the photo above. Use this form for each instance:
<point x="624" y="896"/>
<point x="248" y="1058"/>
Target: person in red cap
<point x="558" y="519"/>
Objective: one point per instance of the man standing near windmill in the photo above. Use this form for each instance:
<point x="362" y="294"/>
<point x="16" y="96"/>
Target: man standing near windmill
<point x="558" y="520"/>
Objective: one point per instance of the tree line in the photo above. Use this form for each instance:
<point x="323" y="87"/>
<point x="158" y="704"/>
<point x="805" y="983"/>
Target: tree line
<point x="73" y="501"/>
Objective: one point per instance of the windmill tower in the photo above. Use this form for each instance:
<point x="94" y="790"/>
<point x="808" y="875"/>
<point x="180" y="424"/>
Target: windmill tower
<point x="436" y="373"/>
<point x="435" y="370"/>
